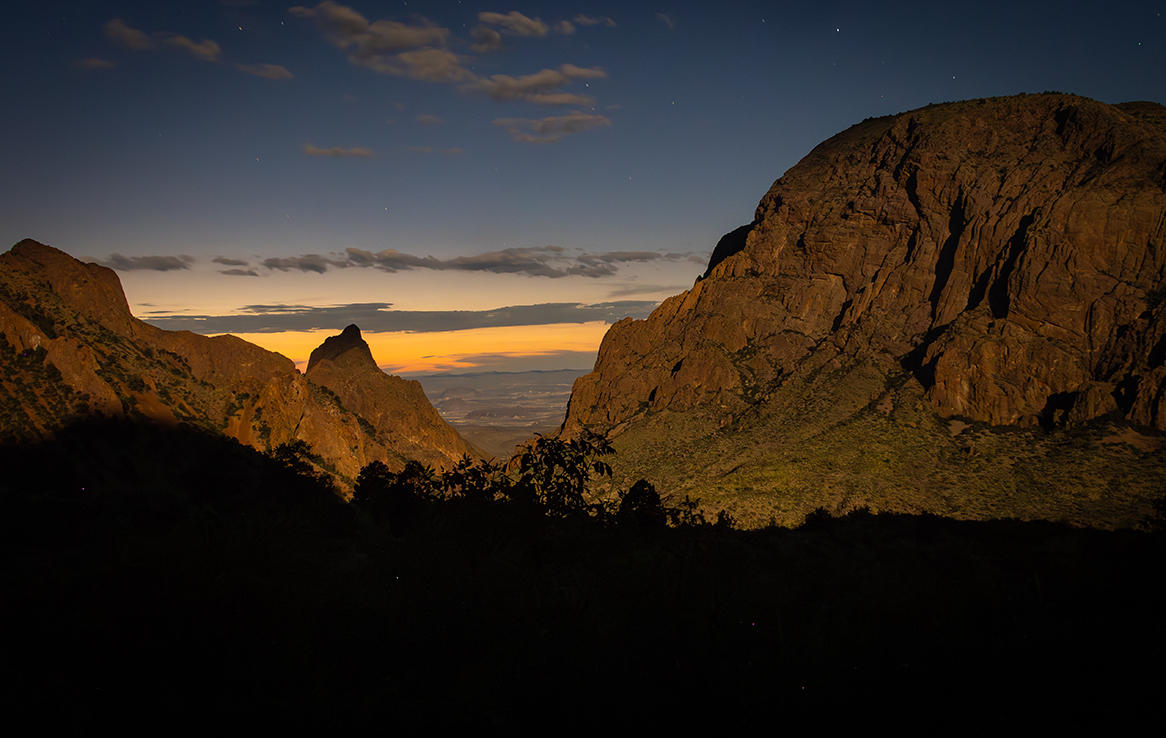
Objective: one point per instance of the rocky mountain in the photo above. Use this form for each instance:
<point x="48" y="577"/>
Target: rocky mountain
<point x="396" y="409"/>
<point x="73" y="349"/>
<point x="981" y="280"/>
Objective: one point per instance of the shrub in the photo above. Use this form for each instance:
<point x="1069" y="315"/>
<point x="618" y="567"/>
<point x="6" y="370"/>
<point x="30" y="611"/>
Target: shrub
<point x="555" y="473"/>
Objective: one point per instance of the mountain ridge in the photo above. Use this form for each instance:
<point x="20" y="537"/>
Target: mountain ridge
<point x="76" y="350"/>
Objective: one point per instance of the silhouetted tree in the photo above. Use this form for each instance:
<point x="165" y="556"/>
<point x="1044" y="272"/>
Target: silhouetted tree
<point x="475" y="479"/>
<point x="371" y="484"/>
<point x="554" y="473"/>
<point x="641" y="506"/>
<point x="396" y="500"/>
<point x="420" y="480"/>
<point x="301" y="476"/>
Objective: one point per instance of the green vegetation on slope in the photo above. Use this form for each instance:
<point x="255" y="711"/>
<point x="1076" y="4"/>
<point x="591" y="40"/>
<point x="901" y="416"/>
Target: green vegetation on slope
<point x="859" y="435"/>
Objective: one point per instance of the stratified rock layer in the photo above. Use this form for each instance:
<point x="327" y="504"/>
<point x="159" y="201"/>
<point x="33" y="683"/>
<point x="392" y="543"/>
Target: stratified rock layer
<point x="1009" y="253"/>
<point x="72" y="348"/>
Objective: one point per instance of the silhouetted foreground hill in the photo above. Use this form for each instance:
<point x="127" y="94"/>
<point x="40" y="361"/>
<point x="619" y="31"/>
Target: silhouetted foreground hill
<point x="180" y="596"/>
<point x="999" y="263"/>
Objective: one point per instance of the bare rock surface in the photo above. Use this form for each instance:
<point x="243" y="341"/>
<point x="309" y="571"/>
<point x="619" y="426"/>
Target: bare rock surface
<point x="397" y="409"/>
<point x="1010" y="252"/>
<point x="1006" y="256"/>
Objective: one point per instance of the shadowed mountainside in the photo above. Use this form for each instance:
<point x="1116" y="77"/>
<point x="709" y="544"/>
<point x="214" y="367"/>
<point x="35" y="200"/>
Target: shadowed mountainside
<point x="74" y="350"/>
<point x="169" y="576"/>
<point x="942" y="310"/>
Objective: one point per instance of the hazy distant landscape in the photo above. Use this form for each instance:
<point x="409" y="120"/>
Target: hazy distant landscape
<point x="496" y="411"/>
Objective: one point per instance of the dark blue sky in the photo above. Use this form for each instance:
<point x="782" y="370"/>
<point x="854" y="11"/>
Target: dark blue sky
<point x="630" y="136"/>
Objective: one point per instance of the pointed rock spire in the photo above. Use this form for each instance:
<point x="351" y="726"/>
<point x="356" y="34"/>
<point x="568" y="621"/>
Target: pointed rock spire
<point x="335" y="346"/>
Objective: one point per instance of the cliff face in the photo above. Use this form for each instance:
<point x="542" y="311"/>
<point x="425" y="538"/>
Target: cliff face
<point x="1009" y="253"/>
<point x="72" y="348"/>
<point x="992" y="265"/>
<point x="400" y="415"/>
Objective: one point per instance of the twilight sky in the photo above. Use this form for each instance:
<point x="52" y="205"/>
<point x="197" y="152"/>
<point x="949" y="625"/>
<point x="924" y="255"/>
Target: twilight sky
<point x="478" y="186"/>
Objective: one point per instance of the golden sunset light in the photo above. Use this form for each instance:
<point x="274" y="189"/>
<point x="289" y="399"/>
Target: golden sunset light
<point x="413" y="353"/>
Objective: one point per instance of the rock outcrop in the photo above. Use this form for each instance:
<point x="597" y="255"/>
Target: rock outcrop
<point x="71" y="348"/>
<point x="1010" y="253"/>
<point x="400" y="415"/>
<point x="999" y="262"/>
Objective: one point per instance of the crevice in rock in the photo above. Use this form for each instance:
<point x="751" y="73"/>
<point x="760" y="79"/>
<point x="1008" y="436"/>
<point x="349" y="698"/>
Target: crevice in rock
<point x="998" y="297"/>
<point x="1157" y="354"/>
<point x="1063" y="117"/>
<point x="841" y="314"/>
<point x="1155" y="404"/>
<point x="912" y="244"/>
<point x="1055" y="408"/>
<point x="913" y="361"/>
<point x="911" y="188"/>
<point x="945" y="262"/>
<point x="1125" y="392"/>
<point x="979" y="289"/>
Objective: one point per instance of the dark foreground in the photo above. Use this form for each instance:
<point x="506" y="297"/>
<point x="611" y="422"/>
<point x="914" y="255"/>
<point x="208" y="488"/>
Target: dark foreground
<point x="195" y="585"/>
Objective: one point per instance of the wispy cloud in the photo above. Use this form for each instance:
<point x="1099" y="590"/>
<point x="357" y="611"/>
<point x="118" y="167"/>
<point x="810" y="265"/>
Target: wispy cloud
<point x="131" y="38"/>
<point x="515" y="23"/>
<point x="147" y="263"/>
<point x="93" y="63"/>
<point x="357" y="151"/>
<point x="229" y="262"/>
<point x="388" y="47"/>
<point x="348" y="29"/>
<point x="485" y="39"/>
<point x="206" y="49"/>
<point x="590" y="20"/>
<point x="549" y="130"/>
<point x="427" y="65"/>
<point x="419" y="51"/>
<point x="267" y="71"/>
<point x="666" y="20"/>
<point x="541" y="88"/>
<point x="307" y="263"/>
<point x="379" y="317"/>
<point x="239" y="272"/>
<point x="428" y="120"/>
<point x="534" y="261"/>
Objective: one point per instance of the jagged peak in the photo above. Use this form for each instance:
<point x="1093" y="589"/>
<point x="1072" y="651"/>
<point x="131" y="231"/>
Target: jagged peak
<point x="335" y="346"/>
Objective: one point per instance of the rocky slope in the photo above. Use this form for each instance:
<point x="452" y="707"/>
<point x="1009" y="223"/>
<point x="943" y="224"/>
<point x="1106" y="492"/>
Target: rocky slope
<point x="72" y="348"/>
<point x="396" y="409"/>
<point x="997" y="261"/>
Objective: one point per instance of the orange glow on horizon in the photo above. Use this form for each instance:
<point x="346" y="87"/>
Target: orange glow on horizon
<point x="399" y="353"/>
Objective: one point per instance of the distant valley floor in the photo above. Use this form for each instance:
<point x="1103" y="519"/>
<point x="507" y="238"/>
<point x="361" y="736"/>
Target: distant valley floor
<point x="496" y="411"/>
